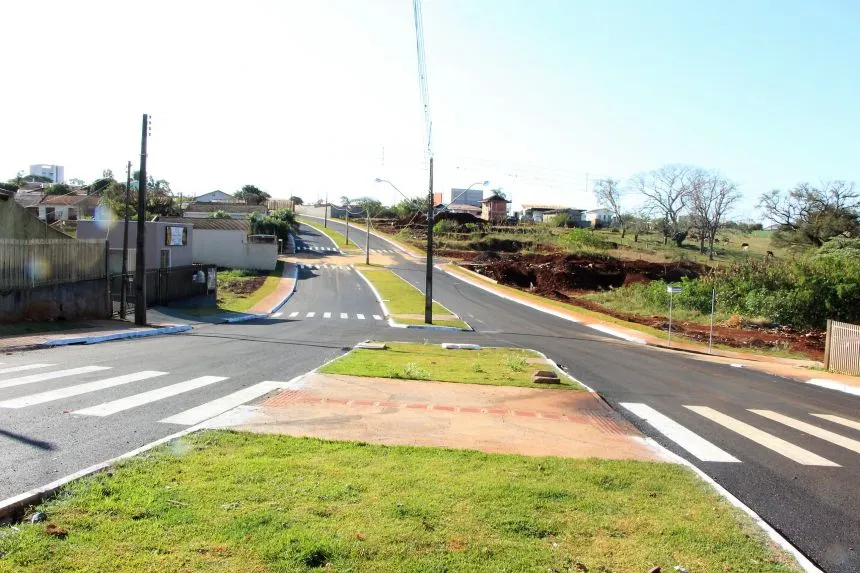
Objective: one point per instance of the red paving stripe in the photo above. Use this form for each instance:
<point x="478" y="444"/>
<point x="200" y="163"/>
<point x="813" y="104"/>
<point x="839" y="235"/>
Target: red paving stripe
<point x="470" y="410"/>
<point x="445" y="408"/>
<point x="551" y="416"/>
<point x="522" y="413"/>
<point x="418" y="406"/>
<point x="335" y="401"/>
<point x="363" y="402"/>
<point x="390" y="404"/>
<point x="496" y="411"/>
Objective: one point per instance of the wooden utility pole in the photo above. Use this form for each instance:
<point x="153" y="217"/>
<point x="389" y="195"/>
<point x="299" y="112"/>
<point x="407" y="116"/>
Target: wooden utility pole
<point x="140" y="261"/>
<point x="123" y="296"/>
<point x="428" y="288"/>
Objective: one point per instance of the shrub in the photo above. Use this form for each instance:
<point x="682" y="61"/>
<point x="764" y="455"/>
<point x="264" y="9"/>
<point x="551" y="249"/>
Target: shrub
<point x="583" y="238"/>
<point x="445" y="226"/>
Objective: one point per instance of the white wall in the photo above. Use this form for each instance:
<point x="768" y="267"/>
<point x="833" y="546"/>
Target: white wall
<point x="230" y="249"/>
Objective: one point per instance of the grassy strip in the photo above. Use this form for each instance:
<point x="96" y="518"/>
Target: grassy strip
<point x="238" y="303"/>
<point x="400" y="297"/>
<point x="226" y="501"/>
<point x="489" y="366"/>
<point x="773" y="352"/>
<point x="338" y="238"/>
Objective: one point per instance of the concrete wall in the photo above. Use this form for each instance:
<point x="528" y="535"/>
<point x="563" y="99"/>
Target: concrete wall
<point x="180" y="256"/>
<point x="69" y="301"/>
<point x="18" y="223"/>
<point x="230" y="249"/>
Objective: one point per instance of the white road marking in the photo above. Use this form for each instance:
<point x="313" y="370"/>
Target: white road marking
<point x="769" y="441"/>
<point x="215" y="407"/>
<point x="838" y="420"/>
<point x="377" y="317"/>
<point x="130" y="402"/>
<point x="832" y="437"/>
<point x="277" y="315"/>
<point x="690" y="441"/>
<point x="69" y="391"/>
<point x="23" y="368"/>
<point x="294" y="314"/>
<point x="326" y="315"/>
<point x="310" y="315"/>
<point x="344" y="315"/>
<point x="359" y="316"/>
<point x="50" y="375"/>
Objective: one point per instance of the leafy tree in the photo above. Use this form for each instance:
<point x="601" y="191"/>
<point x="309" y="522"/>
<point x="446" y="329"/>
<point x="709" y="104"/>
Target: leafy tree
<point x="37" y="179"/>
<point x="287" y="216"/>
<point x="295" y="200"/>
<point x="115" y="197"/>
<point x="608" y="194"/>
<point x="58" y="189"/>
<point x="638" y="224"/>
<point x="409" y="207"/>
<point x="808" y="215"/>
<point x="9" y="187"/>
<point x="275" y="224"/>
<point x="368" y="206"/>
<point x="108" y="174"/>
<point x="252" y="195"/>
<point x="76" y="182"/>
<point x="219" y="215"/>
<point x="500" y="192"/>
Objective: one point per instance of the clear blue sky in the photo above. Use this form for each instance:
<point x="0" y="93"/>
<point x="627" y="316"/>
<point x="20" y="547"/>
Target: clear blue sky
<point x="302" y="96"/>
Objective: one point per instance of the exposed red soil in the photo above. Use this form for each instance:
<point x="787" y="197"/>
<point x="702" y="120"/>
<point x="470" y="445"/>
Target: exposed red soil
<point x="567" y="277"/>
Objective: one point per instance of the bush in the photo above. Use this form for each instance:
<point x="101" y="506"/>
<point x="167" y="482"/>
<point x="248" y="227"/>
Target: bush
<point x="583" y="238"/>
<point x="445" y="226"/>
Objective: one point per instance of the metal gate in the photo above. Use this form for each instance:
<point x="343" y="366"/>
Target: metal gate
<point x="842" y="348"/>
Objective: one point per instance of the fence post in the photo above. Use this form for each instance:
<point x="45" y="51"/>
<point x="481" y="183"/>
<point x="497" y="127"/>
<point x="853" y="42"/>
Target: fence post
<point x="108" y="301"/>
<point x="827" y="345"/>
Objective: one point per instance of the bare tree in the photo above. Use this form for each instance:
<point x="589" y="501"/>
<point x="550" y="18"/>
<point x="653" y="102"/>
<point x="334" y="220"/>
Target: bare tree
<point x="712" y="196"/>
<point x="808" y="215"/>
<point x="608" y="194"/>
<point x="667" y="192"/>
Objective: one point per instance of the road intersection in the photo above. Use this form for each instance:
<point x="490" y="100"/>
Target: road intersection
<point x="788" y="450"/>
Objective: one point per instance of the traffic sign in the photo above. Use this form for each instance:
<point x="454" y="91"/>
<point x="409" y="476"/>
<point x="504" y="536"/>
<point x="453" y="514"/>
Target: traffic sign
<point x="673" y="289"/>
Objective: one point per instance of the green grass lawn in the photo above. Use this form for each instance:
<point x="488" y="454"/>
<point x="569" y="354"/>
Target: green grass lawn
<point x="338" y="238"/>
<point x="400" y="297"/>
<point x="490" y="366"/>
<point x="229" y="301"/>
<point x="225" y="501"/>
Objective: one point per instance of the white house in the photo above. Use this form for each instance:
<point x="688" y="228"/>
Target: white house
<point x="224" y="242"/>
<point x="599" y="217"/>
<point x="198" y="210"/>
<point x="216" y="197"/>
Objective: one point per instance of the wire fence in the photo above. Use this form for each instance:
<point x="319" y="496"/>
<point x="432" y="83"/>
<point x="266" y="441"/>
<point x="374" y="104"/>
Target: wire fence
<point x="842" y="348"/>
<point x="30" y="263"/>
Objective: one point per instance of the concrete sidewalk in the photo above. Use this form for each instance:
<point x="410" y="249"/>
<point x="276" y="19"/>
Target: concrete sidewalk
<point x="803" y="370"/>
<point x="93" y="331"/>
<point x="285" y="289"/>
<point x="502" y="419"/>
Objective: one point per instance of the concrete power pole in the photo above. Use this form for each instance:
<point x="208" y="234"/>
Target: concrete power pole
<point x="123" y="300"/>
<point x="140" y="261"/>
<point x="428" y="288"/>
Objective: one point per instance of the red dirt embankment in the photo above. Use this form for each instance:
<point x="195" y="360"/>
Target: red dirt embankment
<point x="566" y="277"/>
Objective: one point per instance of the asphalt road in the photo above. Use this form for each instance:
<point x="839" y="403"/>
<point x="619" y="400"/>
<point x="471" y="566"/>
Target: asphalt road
<point x="817" y="507"/>
<point x="811" y="496"/>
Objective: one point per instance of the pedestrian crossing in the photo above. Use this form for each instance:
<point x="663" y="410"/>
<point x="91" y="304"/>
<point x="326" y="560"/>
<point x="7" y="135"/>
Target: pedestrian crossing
<point x="345" y="268"/>
<point x="299" y="315"/>
<point x="310" y="248"/>
<point x="384" y="251"/>
<point x="798" y="430"/>
<point x="77" y="388"/>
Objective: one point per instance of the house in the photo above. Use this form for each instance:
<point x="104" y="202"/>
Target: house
<point x="227" y="243"/>
<point x="471" y="197"/>
<point x="54" y="208"/>
<point x="599" y="217"/>
<point x="166" y="245"/>
<point x="216" y="197"/>
<point x="494" y="208"/>
<point x="17" y="222"/>
<point x="462" y="208"/>
<point x="536" y="213"/>
<point x="198" y="210"/>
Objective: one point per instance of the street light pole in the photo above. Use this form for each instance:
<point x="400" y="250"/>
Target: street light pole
<point x="140" y="262"/>
<point x="123" y="293"/>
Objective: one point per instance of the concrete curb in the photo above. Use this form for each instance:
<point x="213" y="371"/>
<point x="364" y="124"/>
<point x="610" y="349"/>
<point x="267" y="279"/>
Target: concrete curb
<point x="279" y="304"/>
<point x="834" y="385"/>
<point x="174" y="329"/>
<point x="378" y="296"/>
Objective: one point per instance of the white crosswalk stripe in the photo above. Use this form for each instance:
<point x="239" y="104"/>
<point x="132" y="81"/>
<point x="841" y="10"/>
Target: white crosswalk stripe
<point x="832" y="437"/>
<point x="137" y="400"/>
<point x="78" y="389"/>
<point x="293" y="314"/>
<point x="221" y="405"/>
<point x="359" y="316"/>
<point x="344" y="315"/>
<point x="839" y="420"/>
<point x="50" y="375"/>
<point x="277" y="315"/>
<point x="23" y="368"/>
<point x="690" y="441"/>
<point x="769" y="441"/>
<point x="377" y="317"/>
<point x="326" y="315"/>
<point x="310" y="314"/>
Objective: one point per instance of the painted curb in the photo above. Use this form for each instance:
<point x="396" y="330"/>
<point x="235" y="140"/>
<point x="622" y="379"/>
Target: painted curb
<point x="295" y="277"/>
<point x="375" y="292"/>
<point x="118" y="335"/>
<point x="834" y="385"/>
<point x="243" y="318"/>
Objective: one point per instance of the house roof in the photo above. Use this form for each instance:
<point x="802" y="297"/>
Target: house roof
<point x="216" y="196"/>
<point x="494" y="197"/>
<point x="83" y="200"/>
<point x="28" y="198"/>
<point x="539" y="207"/>
<point x="228" y="207"/>
<point x="212" y="224"/>
<point x="463" y="208"/>
<point x="599" y="210"/>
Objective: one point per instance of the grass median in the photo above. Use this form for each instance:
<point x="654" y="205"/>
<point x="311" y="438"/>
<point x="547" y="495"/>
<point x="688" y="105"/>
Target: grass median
<point x="225" y="501"/>
<point x="405" y="303"/>
<point x="490" y="366"/>
<point x="338" y="238"/>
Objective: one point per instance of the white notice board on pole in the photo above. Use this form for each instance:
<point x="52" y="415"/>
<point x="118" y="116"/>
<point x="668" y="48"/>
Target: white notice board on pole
<point x="175" y="236"/>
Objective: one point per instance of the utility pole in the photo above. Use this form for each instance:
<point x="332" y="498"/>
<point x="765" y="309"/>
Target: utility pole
<point x="325" y="212"/>
<point x="123" y="296"/>
<point x="140" y="262"/>
<point x="367" y="239"/>
<point x="428" y="289"/>
<point x="347" y="222"/>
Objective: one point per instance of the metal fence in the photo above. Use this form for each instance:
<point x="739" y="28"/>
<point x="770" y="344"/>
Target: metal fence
<point x="30" y="263"/>
<point x="163" y="286"/>
<point x="842" y="348"/>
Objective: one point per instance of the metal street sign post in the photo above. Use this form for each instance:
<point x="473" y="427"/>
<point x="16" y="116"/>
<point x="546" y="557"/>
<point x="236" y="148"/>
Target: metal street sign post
<point x="672" y="290"/>
<point x="711" y="336"/>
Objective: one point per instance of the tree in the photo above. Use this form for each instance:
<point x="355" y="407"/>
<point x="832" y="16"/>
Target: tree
<point x="108" y="174"/>
<point x="76" y="182"/>
<point x="638" y="224"/>
<point x="712" y="196"/>
<point x="295" y="200"/>
<point x="368" y="206"/>
<point x="37" y="179"/>
<point x="608" y="194"/>
<point x="219" y="215"/>
<point x="252" y="195"/>
<point x="9" y="187"/>
<point x="500" y="192"/>
<point x="808" y="215"/>
<point x="410" y="207"/>
<point x="58" y="189"/>
<point x="667" y="192"/>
